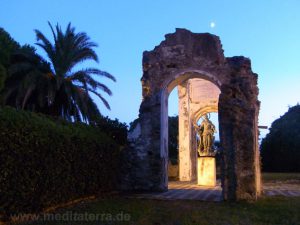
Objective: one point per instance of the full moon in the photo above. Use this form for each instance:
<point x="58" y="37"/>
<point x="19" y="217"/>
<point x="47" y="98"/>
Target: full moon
<point x="212" y="24"/>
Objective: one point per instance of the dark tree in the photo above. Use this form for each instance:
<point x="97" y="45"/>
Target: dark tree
<point x="173" y="139"/>
<point x="280" y="149"/>
<point x="114" y="129"/>
<point x="7" y="47"/>
<point x="26" y="83"/>
<point x="55" y="86"/>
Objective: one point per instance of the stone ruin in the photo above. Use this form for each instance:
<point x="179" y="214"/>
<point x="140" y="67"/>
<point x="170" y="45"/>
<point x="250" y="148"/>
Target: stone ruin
<point x="178" y="60"/>
<point x="196" y="97"/>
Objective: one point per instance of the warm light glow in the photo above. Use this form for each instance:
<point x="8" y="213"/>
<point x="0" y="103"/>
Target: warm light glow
<point x="207" y="171"/>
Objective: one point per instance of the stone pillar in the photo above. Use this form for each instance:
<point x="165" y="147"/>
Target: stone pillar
<point x="238" y="116"/>
<point x="194" y="153"/>
<point x="184" y="135"/>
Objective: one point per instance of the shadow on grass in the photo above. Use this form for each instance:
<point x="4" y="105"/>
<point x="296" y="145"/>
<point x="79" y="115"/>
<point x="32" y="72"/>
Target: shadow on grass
<point x="119" y="210"/>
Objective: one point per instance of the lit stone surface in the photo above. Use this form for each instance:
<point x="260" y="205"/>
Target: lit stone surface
<point x="207" y="171"/>
<point x="196" y="98"/>
<point x="184" y="136"/>
<point x="203" y="92"/>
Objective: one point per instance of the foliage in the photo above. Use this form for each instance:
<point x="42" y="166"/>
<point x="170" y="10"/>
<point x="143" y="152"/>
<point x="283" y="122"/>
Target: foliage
<point x="114" y="129"/>
<point x="173" y="138"/>
<point x="55" y="87"/>
<point x="280" y="149"/>
<point x="2" y="76"/>
<point x="13" y="59"/>
<point x="27" y="84"/>
<point x="44" y="162"/>
<point x="7" y="47"/>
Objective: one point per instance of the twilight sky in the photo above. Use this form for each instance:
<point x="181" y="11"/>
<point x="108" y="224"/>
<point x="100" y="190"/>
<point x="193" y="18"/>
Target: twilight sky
<point x="268" y="32"/>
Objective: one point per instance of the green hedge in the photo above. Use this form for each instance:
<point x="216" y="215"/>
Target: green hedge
<point x="44" y="162"/>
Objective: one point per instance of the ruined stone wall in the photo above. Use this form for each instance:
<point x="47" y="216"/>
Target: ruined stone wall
<point x="238" y="113"/>
<point x="181" y="56"/>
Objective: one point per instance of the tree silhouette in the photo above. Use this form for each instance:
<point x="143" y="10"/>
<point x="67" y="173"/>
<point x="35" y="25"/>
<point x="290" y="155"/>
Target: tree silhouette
<point x="280" y="149"/>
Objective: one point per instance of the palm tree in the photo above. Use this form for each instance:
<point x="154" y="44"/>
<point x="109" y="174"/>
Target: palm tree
<point x="69" y="96"/>
<point x="26" y="84"/>
<point x="65" y="91"/>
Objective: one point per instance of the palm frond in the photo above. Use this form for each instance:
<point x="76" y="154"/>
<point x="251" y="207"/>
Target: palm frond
<point x="45" y="44"/>
<point x="85" y="78"/>
<point x="53" y="87"/>
<point x="94" y="71"/>
<point x="52" y="30"/>
<point x="101" y="98"/>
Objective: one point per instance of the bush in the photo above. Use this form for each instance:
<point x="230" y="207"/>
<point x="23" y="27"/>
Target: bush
<point x="280" y="149"/>
<point x="114" y="129"/>
<point x="44" y="162"/>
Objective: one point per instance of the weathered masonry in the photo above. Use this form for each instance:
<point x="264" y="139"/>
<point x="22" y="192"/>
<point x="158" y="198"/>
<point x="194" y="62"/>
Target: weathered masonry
<point x="182" y="56"/>
<point x="196" y="97"/>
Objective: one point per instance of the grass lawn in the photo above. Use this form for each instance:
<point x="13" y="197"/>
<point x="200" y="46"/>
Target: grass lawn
<point x="275" y="210"/>
<point x="281" y="177"/>
<point x="267" y="210"/>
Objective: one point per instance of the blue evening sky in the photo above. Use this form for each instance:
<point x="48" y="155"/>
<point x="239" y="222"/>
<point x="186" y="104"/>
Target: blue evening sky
<point x="266" y="31"/>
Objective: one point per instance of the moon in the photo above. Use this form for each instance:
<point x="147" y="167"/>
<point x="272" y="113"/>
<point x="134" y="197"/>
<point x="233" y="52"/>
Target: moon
<point x="212" y="24"/>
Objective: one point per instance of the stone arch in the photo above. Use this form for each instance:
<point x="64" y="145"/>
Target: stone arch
<point x="187" y="164"/>
<point x="187" y="74"/>
<point x="203" y="111"/>
<point x="181" y="56"/>
<point x="195" y="95"/>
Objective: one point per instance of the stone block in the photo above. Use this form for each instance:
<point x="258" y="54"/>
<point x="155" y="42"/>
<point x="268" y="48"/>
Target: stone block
<point x="207" y="171"/>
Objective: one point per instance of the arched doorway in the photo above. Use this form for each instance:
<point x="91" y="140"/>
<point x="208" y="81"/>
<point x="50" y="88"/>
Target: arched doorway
<point x="188" y="106"/>
<point x="184" y="55"/>
<point x="197" y="96"/>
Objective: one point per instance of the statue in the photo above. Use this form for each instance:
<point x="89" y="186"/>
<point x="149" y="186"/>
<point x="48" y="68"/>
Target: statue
<point x="206" y="137"/>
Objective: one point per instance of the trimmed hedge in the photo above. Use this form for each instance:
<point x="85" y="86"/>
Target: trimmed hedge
<point x="44" y="162"/>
